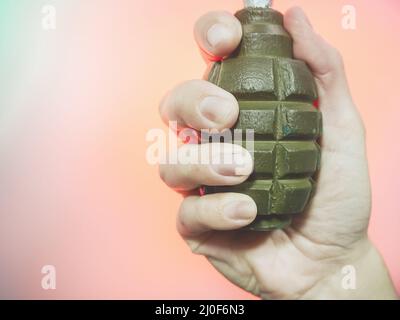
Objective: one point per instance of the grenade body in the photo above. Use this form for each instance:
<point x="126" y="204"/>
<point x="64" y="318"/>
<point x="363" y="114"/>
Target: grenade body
<point x="276" y="95"/>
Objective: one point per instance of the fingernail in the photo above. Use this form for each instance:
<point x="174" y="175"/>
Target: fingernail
<point x="216" y="109"/>
<point x="240" y="210"/>
<point x="233" y="164"/>
<point x="218" y="33"/>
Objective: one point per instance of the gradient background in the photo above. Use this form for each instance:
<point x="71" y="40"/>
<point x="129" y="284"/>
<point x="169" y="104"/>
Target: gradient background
<point x="75" y="105"/>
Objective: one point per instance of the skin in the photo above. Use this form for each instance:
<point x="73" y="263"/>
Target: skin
<point x="303" y="261"/>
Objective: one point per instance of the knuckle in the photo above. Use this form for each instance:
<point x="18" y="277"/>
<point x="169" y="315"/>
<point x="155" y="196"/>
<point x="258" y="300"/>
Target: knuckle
<point x="174" y="98"/>
<point x="194" y="246"/>
<point x="185" y="215"/>
<point x="187" y="93"/>
<point x="182" y="212"/>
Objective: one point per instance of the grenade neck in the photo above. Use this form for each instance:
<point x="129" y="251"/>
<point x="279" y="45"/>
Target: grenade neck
<point x="263" y="34"/>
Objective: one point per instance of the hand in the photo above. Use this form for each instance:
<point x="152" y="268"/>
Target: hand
<point x="306" y="259"/>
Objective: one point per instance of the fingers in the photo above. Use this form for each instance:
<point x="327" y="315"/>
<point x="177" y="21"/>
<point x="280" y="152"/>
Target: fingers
<point x="220" y="211"/>
<point x="200" y="105"/>
<point x="207" y="164"/>
<point x="217" y="33"/>
<point x="327" y="66"/>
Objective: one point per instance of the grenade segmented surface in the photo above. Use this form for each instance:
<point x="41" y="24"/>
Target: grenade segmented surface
<point x="276" y="95"/>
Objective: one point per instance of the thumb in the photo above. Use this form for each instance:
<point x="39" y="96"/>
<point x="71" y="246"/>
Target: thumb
<point x="340" y="114"/>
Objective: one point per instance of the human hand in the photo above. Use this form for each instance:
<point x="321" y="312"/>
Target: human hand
<point x="304" y="260"/>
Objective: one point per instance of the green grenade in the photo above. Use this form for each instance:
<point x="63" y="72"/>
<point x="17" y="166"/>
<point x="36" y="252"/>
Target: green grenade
<point x="276" y="95"/>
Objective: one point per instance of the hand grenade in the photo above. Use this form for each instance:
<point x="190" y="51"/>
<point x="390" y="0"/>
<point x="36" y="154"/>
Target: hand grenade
<point x="276" y="95"/>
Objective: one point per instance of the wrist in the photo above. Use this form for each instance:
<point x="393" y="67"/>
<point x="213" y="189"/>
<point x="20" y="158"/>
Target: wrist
<point x="360" y="275"/>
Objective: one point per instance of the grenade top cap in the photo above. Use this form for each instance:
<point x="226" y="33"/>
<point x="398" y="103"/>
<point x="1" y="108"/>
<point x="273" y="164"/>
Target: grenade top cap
<point x="260" y="15"/>
<point x="257" y="3"/>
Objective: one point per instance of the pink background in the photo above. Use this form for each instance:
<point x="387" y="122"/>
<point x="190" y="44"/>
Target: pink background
<point x="76" y="191"/>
